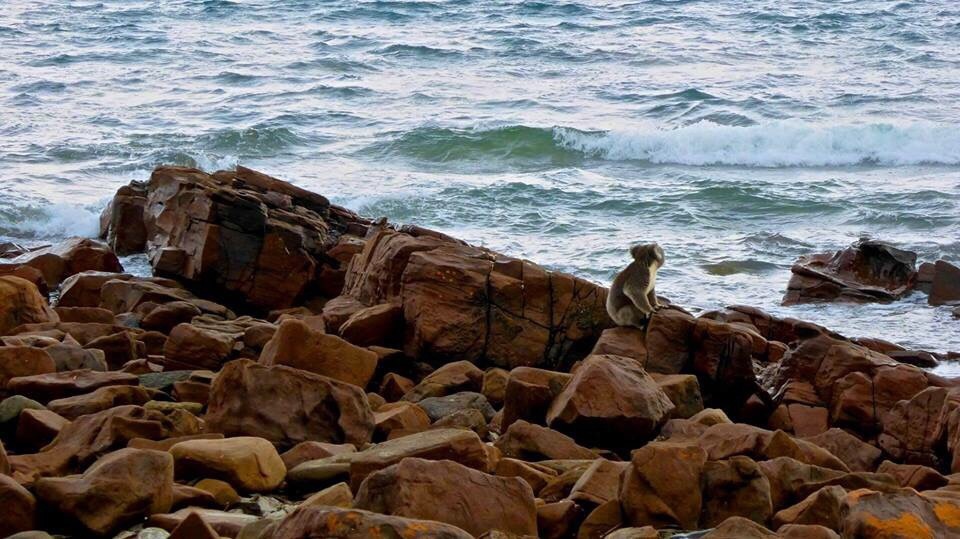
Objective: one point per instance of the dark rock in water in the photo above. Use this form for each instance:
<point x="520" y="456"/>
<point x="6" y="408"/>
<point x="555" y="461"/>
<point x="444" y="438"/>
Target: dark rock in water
<point x="867" y="271"/>
<point x="242" y="236"/>
<point x="920" y="358"/>
<point x="945" y="287"/>
<point x="122" y="224"/>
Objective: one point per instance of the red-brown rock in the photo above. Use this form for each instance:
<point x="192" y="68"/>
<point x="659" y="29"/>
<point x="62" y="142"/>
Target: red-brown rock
<point x="662" y="486"/>
<point x="17" y="361"/>
<point x="377" y="325"/>
<point x="287" y="406"/>
<point x="248" y="464"/>
<point x="295" y="344"/>
<point x="449" y="492"/>
<point x="945" y="287"/>
<point x="48" y="387"/>
<point x="308" y="522"/>
<point x="70" y="257"/>
<point x="21" y="303"/>
<point x="18" y="507"/>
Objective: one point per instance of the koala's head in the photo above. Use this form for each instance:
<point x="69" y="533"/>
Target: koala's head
<point x="647" y="254"/>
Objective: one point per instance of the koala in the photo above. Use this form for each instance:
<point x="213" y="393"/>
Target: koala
<point x="632" y="298"/>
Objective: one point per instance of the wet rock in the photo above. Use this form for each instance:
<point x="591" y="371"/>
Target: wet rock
<point x="864" y="272"/>
<point x="339" y="523"/>
<point x="610" y="401"/>
<point x="295" y="344"/>
<point x="17" y="361"/>
<point x="118" y="490"/>
<point x="69" y="257"/>
<point x="21" y="303"/>
<point x="658" y="488"/>
<point x="945" y="285"/>
<point x="287" y="406"/>
<point x="527" y="441"/>
<point x="449" y="492"/>
<point x="249" y="464"/>
<point x="48" y="387"/>
<point x="457" y="445"/>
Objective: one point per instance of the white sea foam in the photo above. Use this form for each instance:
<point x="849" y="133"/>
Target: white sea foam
<point x="776" y="144"/>
<point x="50" y="221"/>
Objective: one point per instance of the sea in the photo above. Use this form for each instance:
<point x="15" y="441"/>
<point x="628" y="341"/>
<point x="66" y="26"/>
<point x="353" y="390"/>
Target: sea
<point x="738" y="134"/>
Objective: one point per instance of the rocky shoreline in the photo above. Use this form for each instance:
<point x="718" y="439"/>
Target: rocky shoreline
<point x="295" y="370"/>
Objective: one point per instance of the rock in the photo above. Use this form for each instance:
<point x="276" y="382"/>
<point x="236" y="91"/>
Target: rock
<point x="535" y="475"/>
<point x="69" y="257"/>
<point x="305" y="451"/>
<point x="48" y="387"/>
<point x="464" y="303"/>
<point x="225" y="524"/>
<point x="190" y="391"/>
<point x="912" y="428"/>
<point x="338" y="523"/>
<point x="405" y="417"/>
<point x="338" y="495"/>
<point x="460" y="446"/>
<point x="527" y="441"/>
<point x="669" y="341"/>
<point x="739" y="528"/>
<point x="723" y="362"/>
<point x="683" y="390"/>
<point x="240" y="233"/>
<point x="118" y="348"/>
<point x="902" y="513"/>
<point x="945" y="287"/>
<point x="194" y="527"/>
<point x="395" y="386"/>
<point x="118" y="490"/>
<point x="122" y="224"/>
<point x="559" y="519"/>
<point x="806" y="531"/>
<point x="222" y="492"/>
<point x="287" y="406"/>
<point x="605" y="518"/>
<point x="199" y="347"/>
<point x="917" y="358"/>
<point x="69" y="356"/>
<point x="723" y="441"/>
<point x="866" y="271"/>
<point x="791" y="480"/>
<point x="913" y="475"/>
<point x="735" y="487"/>
<point x="859" y="456"/>
<point x="296" y="345"/>
<point x="165" y="317"/>
<point x="37" y="428"/>
<point x="468" y="418"/>
<point x="449" y="492"/>
<point x="99" y="400"/>
<point x="338" y="310"/>
<point x="19" y="507"/>
<point x="448" y="379"/>
<point x="611" y="401"/>
<point x="85" y="315"/>
<point x="495" y="386"/>
<point x="600" y="483"/>
<point x="656" y="489"/>
<point x="10" y="410"/>
<point x="16" y="361"/>
<point x="529" y="394"/>
<point x="439" y="407"/>
<point x="248" y="464"/>
<point x="646" y="532"/>
<point x="83" y="289"/>
<point x="378" y="325"/>
<point x="88" y="437"/>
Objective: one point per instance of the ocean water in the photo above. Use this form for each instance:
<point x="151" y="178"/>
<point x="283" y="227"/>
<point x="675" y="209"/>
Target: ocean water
<point x="739" y="135"/>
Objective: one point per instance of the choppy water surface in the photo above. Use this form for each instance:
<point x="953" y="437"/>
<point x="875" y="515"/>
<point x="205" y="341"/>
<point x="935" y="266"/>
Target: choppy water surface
<point x="737" y="134"/>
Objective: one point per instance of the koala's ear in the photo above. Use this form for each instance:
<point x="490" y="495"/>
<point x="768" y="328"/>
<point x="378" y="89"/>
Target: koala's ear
<point x="637" y="251"/>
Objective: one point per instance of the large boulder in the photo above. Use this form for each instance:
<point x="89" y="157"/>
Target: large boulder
<point x="296" y="344"/>
<point x="611" y="401"/>
<point x="287" y="406"/>
<point x="465" y="303"/>
<point x="662" y="486"/>
<point x="17" y="361"/>
<point x="240" y="235"/>
<point x="312" y="521"/>
<point x="867" y="271"/>
<point x="901" y="513"/>
<point x="529" y="393"/>
<point x="451" y="493"/>
<point x="248" y="464"/>
<point x="21" y="303"/>
<point x="945" y="287"/>
<point x="122" y="224"/>
<point x="120" y="489"/>
<point x="19" y="507"/>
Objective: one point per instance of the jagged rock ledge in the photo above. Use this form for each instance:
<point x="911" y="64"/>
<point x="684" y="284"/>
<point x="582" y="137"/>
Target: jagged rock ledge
<point x="294" y="370"/>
